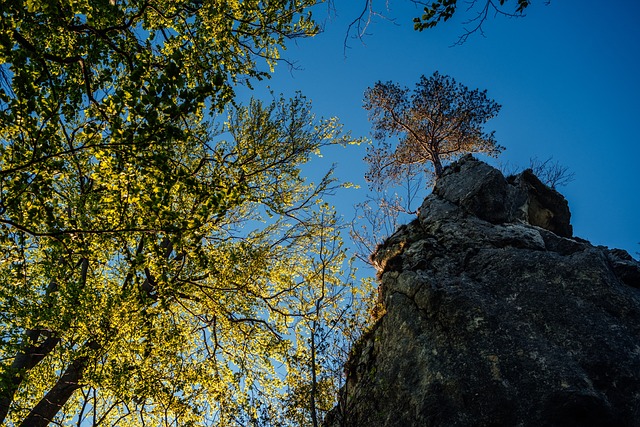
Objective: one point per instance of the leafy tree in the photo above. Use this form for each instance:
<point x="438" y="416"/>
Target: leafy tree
<point x="151" y="264"/>
<point x="338" y="313"/>
<point x="155" y="292"/>
<point x="118" y="73"/>
<point x="440" y="120"/>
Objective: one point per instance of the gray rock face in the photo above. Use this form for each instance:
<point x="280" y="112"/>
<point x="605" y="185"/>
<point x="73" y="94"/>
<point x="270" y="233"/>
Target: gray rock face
<point x="495" y="316"/>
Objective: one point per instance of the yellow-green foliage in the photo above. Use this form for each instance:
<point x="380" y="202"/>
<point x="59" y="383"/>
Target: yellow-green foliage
<point x="178" y="271"/>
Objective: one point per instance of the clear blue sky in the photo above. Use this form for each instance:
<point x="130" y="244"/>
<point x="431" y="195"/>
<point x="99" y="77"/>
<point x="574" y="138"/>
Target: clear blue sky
<point x="567" y="76"/>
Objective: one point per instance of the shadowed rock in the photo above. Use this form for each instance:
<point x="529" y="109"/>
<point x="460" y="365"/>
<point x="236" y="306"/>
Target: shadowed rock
<point x="495" y="316"/>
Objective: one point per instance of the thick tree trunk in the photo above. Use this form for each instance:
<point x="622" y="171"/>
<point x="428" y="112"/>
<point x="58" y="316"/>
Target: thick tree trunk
<point x="47" y="408"/>
<point x="30" y="355"/>
<point x="23" y="363"/>
<point x="42" y="414"/>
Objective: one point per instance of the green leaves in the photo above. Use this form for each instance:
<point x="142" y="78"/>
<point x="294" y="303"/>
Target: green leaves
<point x="179" y="264"/>
<point x="85" y="62"/>
<point x="161" y="261"/>
<point x="440" y="10"/>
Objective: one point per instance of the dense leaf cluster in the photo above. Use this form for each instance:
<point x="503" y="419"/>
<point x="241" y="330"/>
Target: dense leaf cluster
<point x="159" y="267"/>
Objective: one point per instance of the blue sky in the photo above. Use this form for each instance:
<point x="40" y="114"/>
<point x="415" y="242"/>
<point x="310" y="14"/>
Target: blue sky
<point x="567" y="76"/>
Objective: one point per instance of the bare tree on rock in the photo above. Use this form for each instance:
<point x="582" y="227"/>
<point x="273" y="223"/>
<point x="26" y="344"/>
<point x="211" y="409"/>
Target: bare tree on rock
<point x="552" y="173"/>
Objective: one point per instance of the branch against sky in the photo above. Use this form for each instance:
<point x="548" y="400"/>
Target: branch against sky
<point x="476" y="13"/>
<point x="443" y="10"/>
<point x="551" y="173"/>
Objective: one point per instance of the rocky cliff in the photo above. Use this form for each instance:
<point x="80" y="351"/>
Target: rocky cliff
<point x="495" y="315"/>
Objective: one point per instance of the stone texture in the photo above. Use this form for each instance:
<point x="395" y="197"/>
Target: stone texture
<point x="494" y="315"/>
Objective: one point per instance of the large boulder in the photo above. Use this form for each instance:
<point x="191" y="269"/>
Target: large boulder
<point x="494" y="315"/>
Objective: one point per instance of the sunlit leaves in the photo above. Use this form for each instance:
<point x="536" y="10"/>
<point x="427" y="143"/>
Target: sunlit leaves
<point x="169" y="264"/>
<point x="182" y="269"/>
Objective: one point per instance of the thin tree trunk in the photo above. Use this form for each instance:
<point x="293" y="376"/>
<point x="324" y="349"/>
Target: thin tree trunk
<point x="314" y="414"/>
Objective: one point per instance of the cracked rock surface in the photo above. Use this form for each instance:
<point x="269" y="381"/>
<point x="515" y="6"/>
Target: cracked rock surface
<point x="495" y="315"/>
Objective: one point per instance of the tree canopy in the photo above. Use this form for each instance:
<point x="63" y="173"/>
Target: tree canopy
<point x="159" y="267"/>
<point x="440" y="120"/>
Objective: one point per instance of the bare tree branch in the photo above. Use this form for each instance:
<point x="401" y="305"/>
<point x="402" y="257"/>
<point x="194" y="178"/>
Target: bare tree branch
<point x="550" y="172"/>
